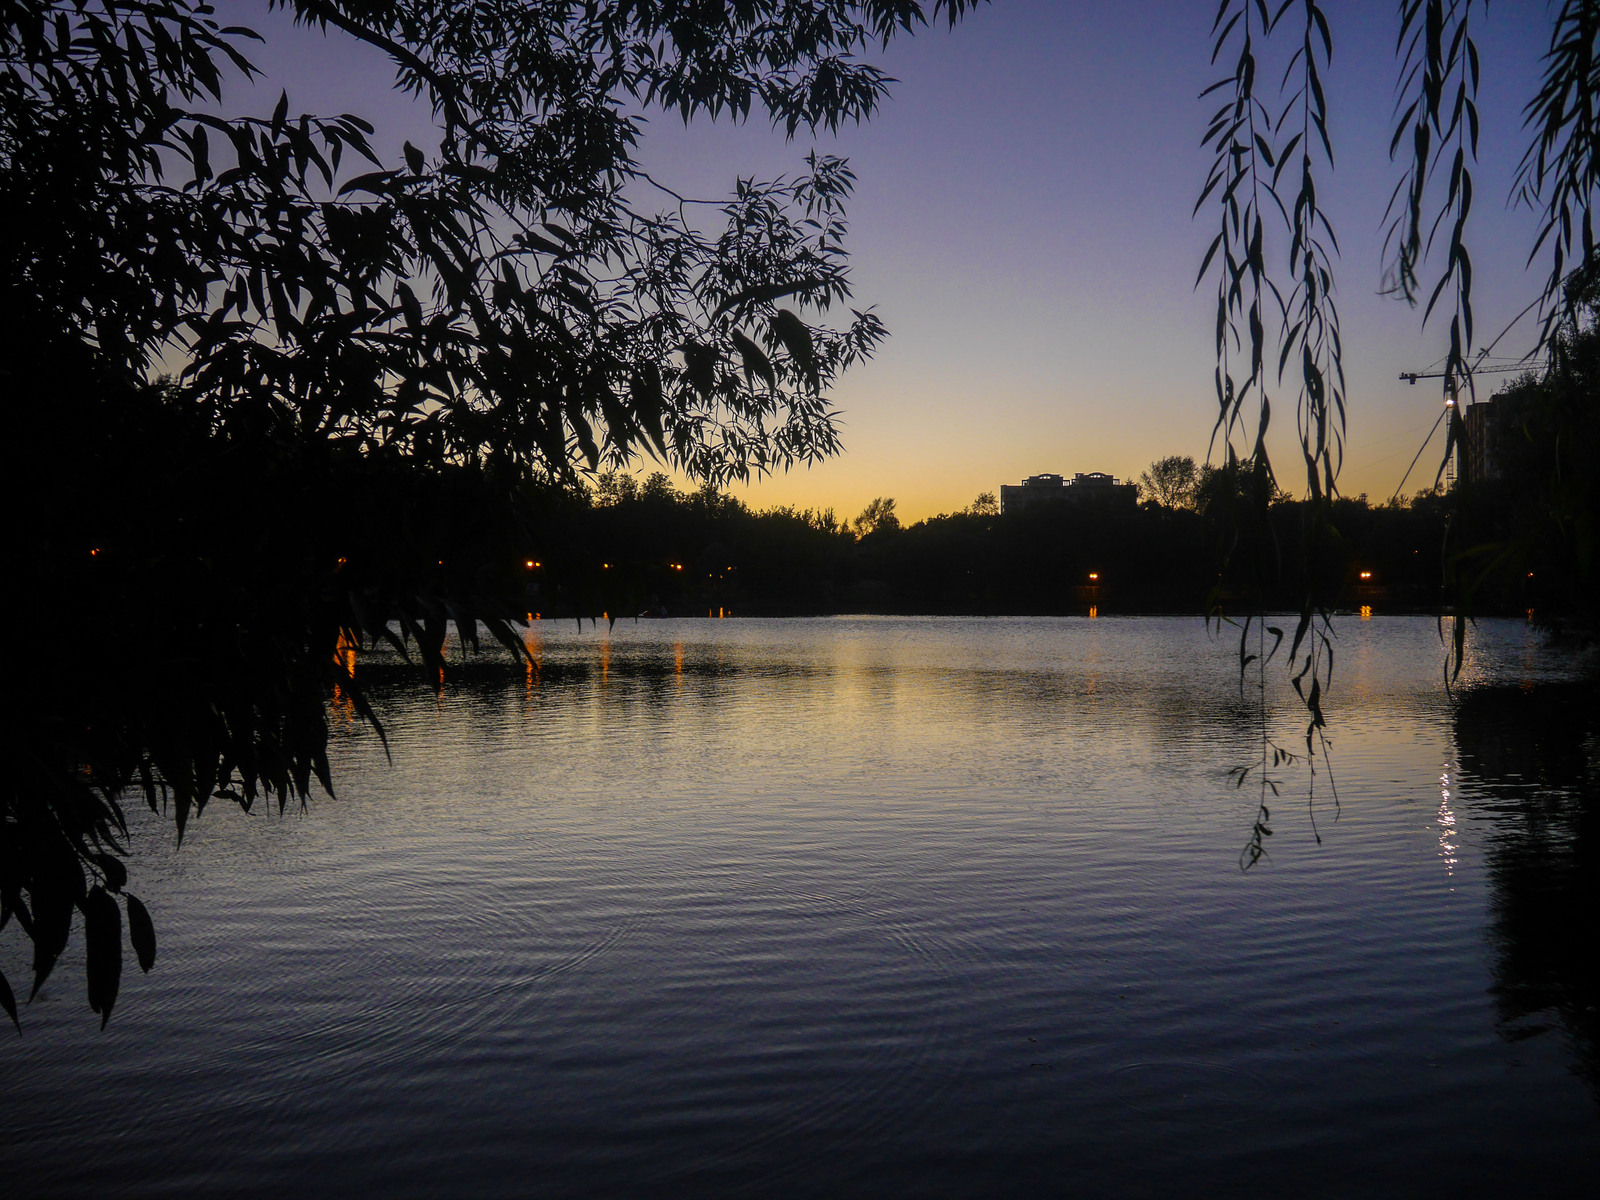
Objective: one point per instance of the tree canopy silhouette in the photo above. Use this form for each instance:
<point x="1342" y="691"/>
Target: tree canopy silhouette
<point x="269" y="385"/>
<point x="1171" y="481"/>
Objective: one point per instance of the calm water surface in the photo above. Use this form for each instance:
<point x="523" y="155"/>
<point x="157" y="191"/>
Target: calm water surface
<point x="866" y="907"/>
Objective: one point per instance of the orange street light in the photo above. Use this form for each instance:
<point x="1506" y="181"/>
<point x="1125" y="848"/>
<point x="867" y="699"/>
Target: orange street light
<point x="1366" y="574"/>
<point x="1094" y="576"/>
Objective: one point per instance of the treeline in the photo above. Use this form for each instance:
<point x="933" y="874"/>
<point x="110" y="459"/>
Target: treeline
<point x="1530" y="528"/>
<point x="628" y="547"/>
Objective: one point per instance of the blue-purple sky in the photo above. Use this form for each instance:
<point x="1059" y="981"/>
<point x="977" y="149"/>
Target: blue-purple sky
<point x="1022" y="223"/>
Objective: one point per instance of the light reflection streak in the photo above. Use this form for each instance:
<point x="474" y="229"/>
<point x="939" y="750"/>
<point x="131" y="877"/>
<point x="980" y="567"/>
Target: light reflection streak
<point x="345" y="653"/>
<point x="343" y="703"/>
<point x="535" y="663"/>
<point x="1447" y="824"/>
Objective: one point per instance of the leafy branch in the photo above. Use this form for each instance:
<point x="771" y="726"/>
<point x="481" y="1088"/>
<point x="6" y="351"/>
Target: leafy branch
<point x="1559" y="170"/>
<point x="1242" y="156"/>
<point x="366" y="350"/>
<point x="1253" y="150"/>
<point x="1257" y="143"/>
<point x="1439" y="77"/>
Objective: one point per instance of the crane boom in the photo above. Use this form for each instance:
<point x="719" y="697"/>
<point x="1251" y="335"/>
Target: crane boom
<point x="1411" y="377"/>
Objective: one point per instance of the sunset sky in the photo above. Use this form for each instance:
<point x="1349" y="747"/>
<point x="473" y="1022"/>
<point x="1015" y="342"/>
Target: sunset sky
<point x="1022" y="223"/>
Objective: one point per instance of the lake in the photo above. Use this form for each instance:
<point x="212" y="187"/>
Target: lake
<point x="866" y="906"/>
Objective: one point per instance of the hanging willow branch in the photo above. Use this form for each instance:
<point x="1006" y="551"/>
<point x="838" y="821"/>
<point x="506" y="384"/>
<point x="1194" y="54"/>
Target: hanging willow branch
<point x="1253" y="153"/>
<point x="1439" y="77"/>
<point x="1311" y="337"/>
<point x="1239" y="178"/>
<point x="1559" y="171"/>
<point x="1311" y="333"/>
<point x="1258" y="143"/>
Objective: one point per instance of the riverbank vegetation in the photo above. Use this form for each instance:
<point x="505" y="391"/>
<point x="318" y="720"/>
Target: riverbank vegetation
<point x="627" y="548"/>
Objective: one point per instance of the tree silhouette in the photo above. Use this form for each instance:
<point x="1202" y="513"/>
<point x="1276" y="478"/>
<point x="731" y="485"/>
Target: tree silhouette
<point x="1171" y="481"/>
<point x="985" y="505"/>
<point x="877" y="517"/>
<point x="367" y="361"/>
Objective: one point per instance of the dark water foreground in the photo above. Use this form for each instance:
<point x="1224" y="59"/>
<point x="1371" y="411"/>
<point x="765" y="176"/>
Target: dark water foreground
<point x="879" y="908"/>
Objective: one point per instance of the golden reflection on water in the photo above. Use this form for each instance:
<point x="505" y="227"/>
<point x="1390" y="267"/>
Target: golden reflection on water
<point x="345" y="652"/>
<point x="344" y="705"/>
<point x="534" y="671"/>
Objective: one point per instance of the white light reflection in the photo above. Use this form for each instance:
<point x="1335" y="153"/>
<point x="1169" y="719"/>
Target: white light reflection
<point x="1447" y="824"/>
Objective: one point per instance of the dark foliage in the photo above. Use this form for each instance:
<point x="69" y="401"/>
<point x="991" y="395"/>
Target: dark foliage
<point x="371" y="363"/>
<point x="1272" y="260"/>
<point x="1528" y="533"/>
<point x="1272" y="254"/>
<point x="630" y="550"/>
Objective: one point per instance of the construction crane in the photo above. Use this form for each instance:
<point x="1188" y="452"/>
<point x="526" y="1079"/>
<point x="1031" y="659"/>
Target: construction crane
<point x="1411" y="377"/>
